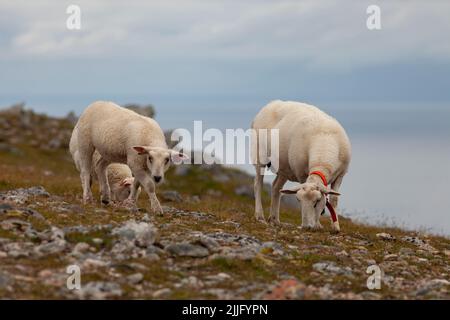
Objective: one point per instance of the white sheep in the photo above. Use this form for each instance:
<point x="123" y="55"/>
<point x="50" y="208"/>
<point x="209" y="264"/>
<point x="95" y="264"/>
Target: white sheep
<point x="120" y="178"/>
<point x="313" y="150"/>
<point x="122" y="136"/>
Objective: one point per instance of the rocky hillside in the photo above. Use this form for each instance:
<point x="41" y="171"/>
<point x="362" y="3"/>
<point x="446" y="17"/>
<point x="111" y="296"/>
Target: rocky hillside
<point x="207" y="244"/>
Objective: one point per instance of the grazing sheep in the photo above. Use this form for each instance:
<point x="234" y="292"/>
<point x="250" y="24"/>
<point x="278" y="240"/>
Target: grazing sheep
<point x="122" y="136"/>
<point x="120" y="178"/>
<point x="313" y="149"/>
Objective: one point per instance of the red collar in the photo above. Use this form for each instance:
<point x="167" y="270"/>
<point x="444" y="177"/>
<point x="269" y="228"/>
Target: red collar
<point x="321" y="175"/>
<point x="328" y="204"/>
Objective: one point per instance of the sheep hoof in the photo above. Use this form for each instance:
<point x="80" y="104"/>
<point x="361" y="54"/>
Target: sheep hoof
<point x="335" y="228"/>
<point x="274" y="221"/>
<point x="261" y="220"/>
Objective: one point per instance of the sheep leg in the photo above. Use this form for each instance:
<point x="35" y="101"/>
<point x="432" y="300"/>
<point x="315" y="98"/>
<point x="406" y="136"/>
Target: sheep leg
<point x="259" y="211"/>
<point x="134" y="194"/>
<point x="131" y="201"/>
<point x="85" y="157"/>
<point x="100" y="171"/>
<point x="277" y="185"/>
<point x="335" y="185"/>
<point x="147" y="183"/>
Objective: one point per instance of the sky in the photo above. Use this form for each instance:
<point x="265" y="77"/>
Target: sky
<point x="189" y="52"/>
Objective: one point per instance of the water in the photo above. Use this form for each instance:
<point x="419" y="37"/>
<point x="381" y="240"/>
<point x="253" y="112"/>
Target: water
<point x="401" y="152"/>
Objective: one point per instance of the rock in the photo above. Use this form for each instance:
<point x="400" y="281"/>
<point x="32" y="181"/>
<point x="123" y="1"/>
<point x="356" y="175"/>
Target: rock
<point x="287" y="289"/>
<point x="434" y="285"/>
<point x="244" y="190"/>
<point x="207" y="242"/>
<point x="50" y="248"/>
<point x="385" y="236"/>
<point x="97" y="241"/>
<point x="4" y="207"/>
<point x="331" y="267"/>
<point x="192" y="282"/>
<point x="15" y="225"/>
<point x="5" y="280"/>
<point x="218" y="277"/>
<point x="272" y="248"/>
<point x="182" y="170"/>
<point x="99" y="290"/>
<point x="390" y="257"/>
<point x="142" y="234"/>
<point x="135" y="278"/>
<point x="185" y="249"/>
<point x="161" y="293"/>
<point x="172" y="196"/>
<point x="94" y="263"/>
<point x="21" y="195"/>
<point x="80" y="249"/>
<point x="221" y="178"/>
<point x="420" y="243"/>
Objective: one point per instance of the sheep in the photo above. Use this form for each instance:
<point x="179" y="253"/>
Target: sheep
<point x="122" y="136"/>
<point x="120" y="178"/>
<point x="313" y="149"/>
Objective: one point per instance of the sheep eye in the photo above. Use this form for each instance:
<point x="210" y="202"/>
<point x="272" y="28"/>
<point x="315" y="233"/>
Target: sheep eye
<point x="150" y="159"/>
<point x="167" y="160"/>
<point x="317" y="202"/>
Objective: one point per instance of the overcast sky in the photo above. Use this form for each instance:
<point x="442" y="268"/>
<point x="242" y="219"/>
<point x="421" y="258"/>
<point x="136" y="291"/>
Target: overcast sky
<point x="168" y="51"/>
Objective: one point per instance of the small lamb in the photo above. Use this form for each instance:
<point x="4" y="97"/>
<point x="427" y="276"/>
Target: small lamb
<point x="122" y="136"/>
<point x="313" y="149"/>
<point x="120" y="178"/>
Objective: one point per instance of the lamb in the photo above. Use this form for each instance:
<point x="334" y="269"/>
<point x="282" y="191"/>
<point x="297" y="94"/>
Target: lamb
<point x="313" y="150"/>
<point x="122" y="136"/>
<point x="120" y="178"/>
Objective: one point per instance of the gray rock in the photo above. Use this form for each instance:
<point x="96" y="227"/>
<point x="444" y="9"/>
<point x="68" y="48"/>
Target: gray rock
<point x="276" y="248"/>
<point x="162" y="293"/>
<point x="182" y="170"/>
<point x="5" y="280"/>
<point x="244" y="190"/>
<point x="98" y="290"/>
<point x="331" y="267"/>
<point x="172" y="196"/>
<point x="142" y="234"/>
<point x="385" y="236"/>
<point x="135" y="278"/>
<point x="185" y="249"/>
<point x="21" y="195"/>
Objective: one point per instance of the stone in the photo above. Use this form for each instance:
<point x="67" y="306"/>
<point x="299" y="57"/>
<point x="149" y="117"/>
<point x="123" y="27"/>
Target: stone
<point x="171" y="196"/>
<point x="99" y="290"/>
<point x="142" y="234"/>
<point x="331" y="267"/>
<point x="272" y="248"/>
<point x="185" y="249"/>
<point x="244" y="190"/>
<point x="385" y="236"/>
<point x="218" y="277"/>
<point x="161" y="293"/>
<point x="135" y="278"/>
<point x="390" y="257"/>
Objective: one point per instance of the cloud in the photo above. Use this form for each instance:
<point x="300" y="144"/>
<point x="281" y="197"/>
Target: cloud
<point x="325" y="34"/>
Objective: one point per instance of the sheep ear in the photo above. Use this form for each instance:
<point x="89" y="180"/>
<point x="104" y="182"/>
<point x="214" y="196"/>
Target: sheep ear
<point x="140" y="149"/>
<point x="332" y="192"/>
<point x="287" y="191"/>
<point x="126" y="182"/>
<point x="178" y="156"/>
